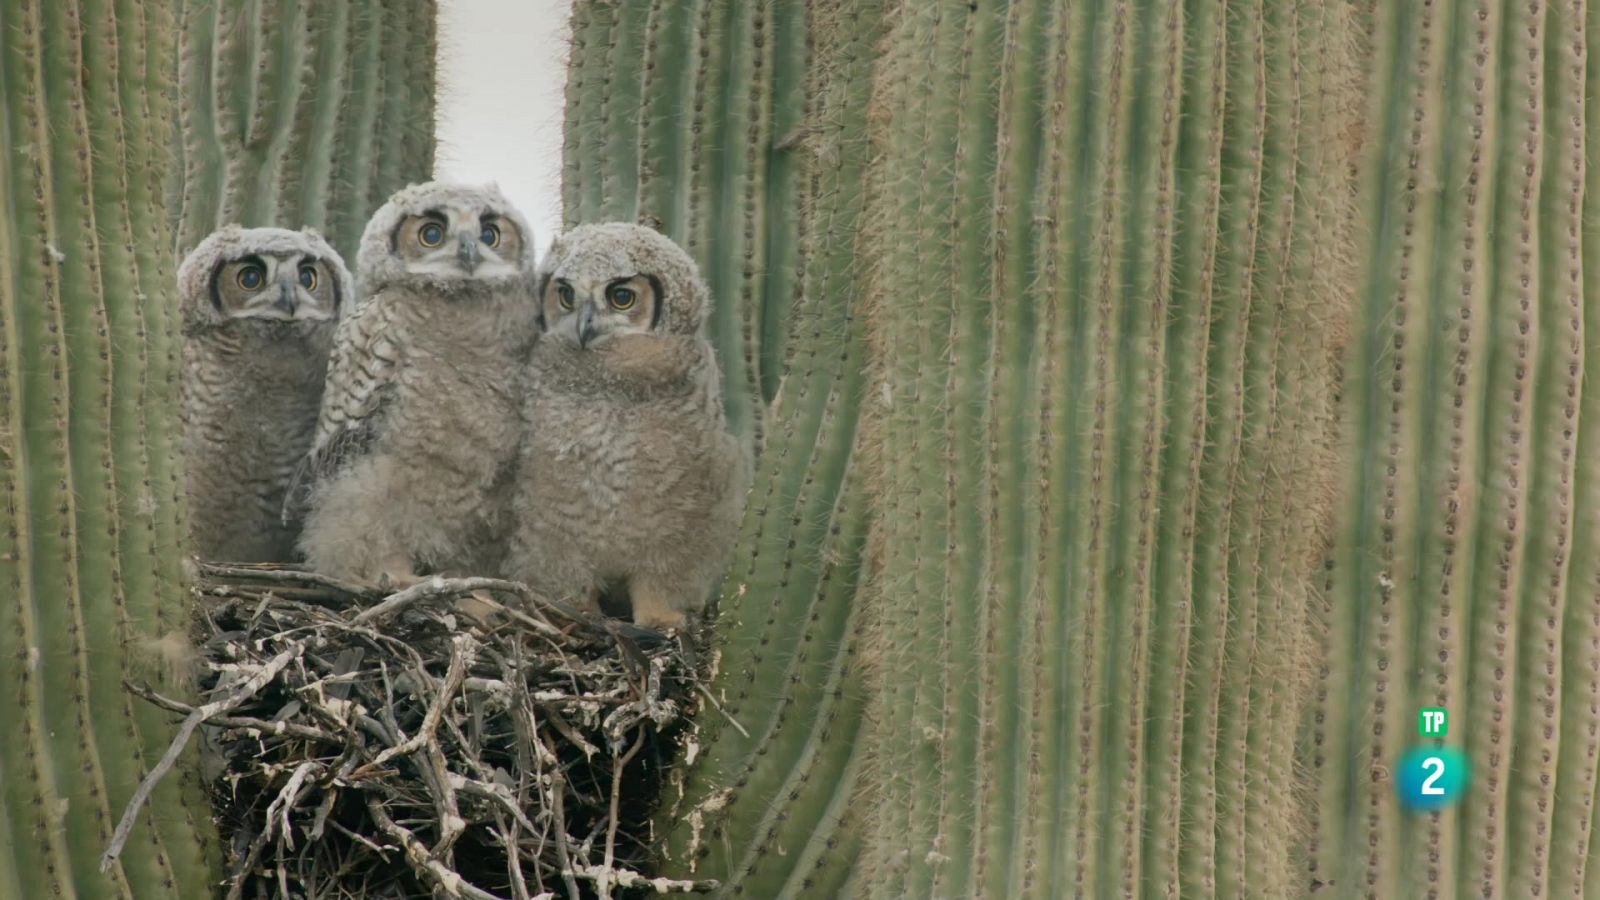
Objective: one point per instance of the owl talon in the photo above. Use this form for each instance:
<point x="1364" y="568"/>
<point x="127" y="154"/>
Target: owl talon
<point x="396" y="576"/>
<point x="652" y="610"/>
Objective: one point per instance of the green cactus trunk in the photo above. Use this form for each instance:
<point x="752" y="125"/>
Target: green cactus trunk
<point x="90" y="584"/>
<point x="1107" y="247"/>
<point x="752" y="150"/>
<point x="302" y="114"/>
<point x="91" y="579"/>
<point x="1052" y="295"/>
<point x="1466" y="573"/>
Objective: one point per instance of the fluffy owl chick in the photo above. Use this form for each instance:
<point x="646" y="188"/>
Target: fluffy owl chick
<point x="259" y="307"/>
<point x="628" y="479"/>
<point x="419" y="424"/>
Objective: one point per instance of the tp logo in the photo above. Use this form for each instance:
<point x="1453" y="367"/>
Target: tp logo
<point x="1431" y="777"/>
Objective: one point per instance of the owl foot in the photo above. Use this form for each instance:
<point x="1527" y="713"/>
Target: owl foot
<point x="652" y="609"/>
<point x="395" y="575"/>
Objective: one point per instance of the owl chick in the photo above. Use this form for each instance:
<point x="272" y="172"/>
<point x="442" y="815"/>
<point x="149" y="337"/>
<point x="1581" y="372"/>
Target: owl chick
<point x="628" y="479"/>
<point x="419" y="423"/>
<point x="259" y="306"/>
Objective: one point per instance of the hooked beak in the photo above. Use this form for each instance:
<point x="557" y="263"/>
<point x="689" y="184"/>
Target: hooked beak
<point x="467" y="252"/>
<point x="586" y="326"/>
<point x="286" y="302"/>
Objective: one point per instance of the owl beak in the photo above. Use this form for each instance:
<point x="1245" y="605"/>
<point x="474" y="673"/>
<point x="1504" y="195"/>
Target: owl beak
<point x="586" y="326"/>
<point x="286" y="299"/>
<point x="467" y="252"/>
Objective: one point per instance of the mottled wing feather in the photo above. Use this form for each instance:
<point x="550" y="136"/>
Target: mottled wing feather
<point x="361" y="374"/>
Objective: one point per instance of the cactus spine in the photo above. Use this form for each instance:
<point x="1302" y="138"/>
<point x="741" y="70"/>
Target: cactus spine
<point x="1071" y="365"/>
<point x="1153" y="351"/>
<point x="1464" y="573"/>
<point x="90" y="548"/>
<point x="89" y="551"/>
<point x="298" y="114"/>
<point x="750" y="147"/>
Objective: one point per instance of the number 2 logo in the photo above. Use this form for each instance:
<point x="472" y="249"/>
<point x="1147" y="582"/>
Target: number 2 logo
<point x="1431" y="778"/>
<point x="1430" y="785"/>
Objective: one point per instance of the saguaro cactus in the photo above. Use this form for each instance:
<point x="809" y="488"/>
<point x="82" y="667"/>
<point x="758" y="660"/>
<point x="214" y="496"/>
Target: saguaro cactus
<point x="1107" y="242"/>
<point x="1071" y="367"/>
<point x="90" y="589"/>
<point x="765" y="803"/>
<point x="687" y="115"/>
<point x="297" y="114"/>
<point x="1467" y="568"/>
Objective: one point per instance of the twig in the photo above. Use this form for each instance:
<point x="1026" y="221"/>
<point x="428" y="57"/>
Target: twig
<point x="244" y="691"/>
<point x="266" y="727"/>
<point x="430" y="723"/>
<point x="557" y="783"/>
<point x="286" y="800"/>
<point x="704" y="692"/>
<point x="287" y="576"/>
<point x="443" y="877"/>
<point x="603" y="884"/>
<point x="434" y="587"/>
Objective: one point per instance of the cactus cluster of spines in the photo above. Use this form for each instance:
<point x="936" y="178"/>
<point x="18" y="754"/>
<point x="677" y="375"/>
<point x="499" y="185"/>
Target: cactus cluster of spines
<point x="299" y="115"/>
<point x="277" y="102"/>
<point x="90" y="550"/>
<point x="1085" y="395"/>
<point x="1464" y="572"/>
<point x="1046" y="301"/>
<point x="746" y="139"/>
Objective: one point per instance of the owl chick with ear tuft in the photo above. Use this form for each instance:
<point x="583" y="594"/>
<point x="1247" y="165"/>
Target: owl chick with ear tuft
<point x="419" y="421"/>
<point x="628" y="479"/>
<point x="259" y="306"/>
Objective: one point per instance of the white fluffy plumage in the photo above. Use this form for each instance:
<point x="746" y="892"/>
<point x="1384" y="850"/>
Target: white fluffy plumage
<point x="628" y="479"/>
<point x="419" y="421"/>
<point x="259" y="307"/>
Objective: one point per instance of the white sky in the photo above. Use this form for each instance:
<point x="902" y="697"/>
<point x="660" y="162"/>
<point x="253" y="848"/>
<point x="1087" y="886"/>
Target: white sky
<point x="502" y="73"/>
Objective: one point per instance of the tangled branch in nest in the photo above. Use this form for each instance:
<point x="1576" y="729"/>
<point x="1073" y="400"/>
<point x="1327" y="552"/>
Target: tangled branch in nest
<point x="461" y="738"/>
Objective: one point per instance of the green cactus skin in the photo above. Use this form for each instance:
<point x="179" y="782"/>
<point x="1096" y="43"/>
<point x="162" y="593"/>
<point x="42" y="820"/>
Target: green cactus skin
<point x="1464" y="572"/>
<point x="670" y="106"/>
<point x="89" y="548"/>
<point x="743" y="134"/>
<point x="1050" y="311"/>
<point x="1094" y="585"/>
<point x="775" y="804"/>
<point x="302" y="114"/>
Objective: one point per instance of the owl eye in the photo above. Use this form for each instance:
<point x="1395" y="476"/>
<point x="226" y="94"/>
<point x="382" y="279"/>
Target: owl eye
<point x="490" y="235"/>
<point x="251" y="277"/>
<point x="308" y="277"/>
<point x="623" y="298"/>
<point x="565" y="296"/>
<point x="431" y="235"/>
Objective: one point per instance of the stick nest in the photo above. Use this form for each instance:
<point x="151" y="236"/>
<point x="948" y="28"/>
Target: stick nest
<point x="461" y="738"/>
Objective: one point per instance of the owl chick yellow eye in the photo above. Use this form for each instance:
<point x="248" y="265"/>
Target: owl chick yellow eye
<point x="308" y="277"/>
<point x="431" y="235"/>
<point x="251" y="277"/>
<point x="490" y="236"/>
<point x="564" y="296"/>
<point x="623" y="298"/>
